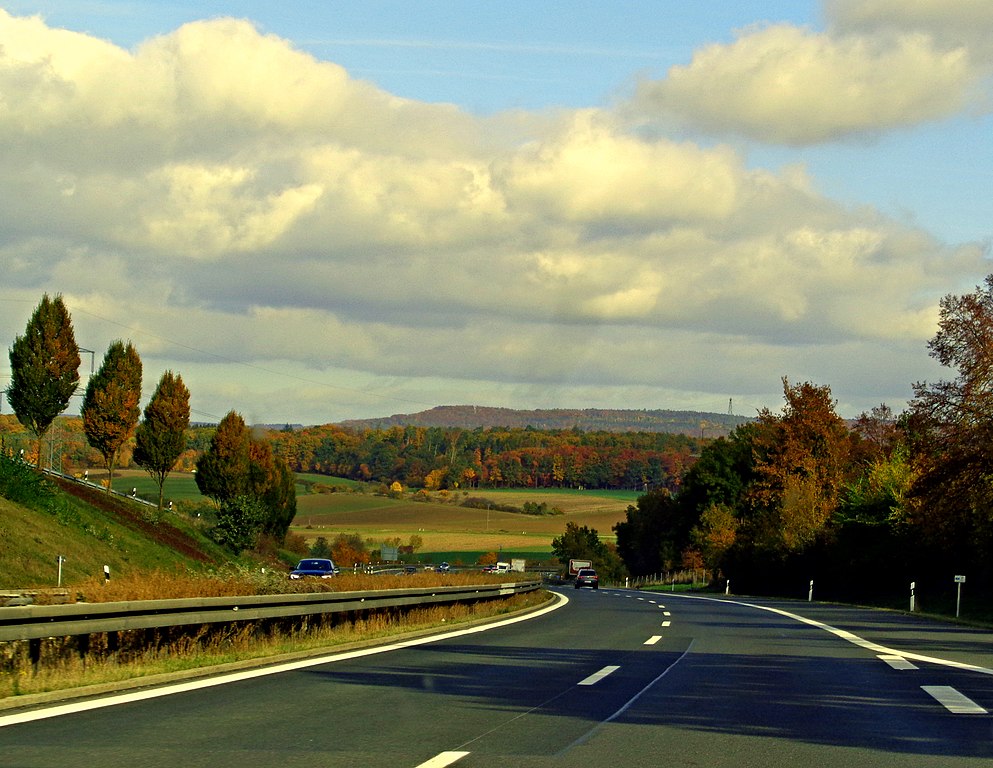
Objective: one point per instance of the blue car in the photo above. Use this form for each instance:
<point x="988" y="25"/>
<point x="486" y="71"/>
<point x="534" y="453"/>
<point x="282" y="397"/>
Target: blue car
<point x="319" y="567"/>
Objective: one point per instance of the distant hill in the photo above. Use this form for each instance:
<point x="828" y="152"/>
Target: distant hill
<point x="694" y="423"/>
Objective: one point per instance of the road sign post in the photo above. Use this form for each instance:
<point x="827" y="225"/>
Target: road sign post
<point x="959" y="581"/>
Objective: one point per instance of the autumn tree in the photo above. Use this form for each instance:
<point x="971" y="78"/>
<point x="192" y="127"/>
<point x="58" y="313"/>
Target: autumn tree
<point x="238" y="466"/>
<point x="161" y="437"/>
<point x="703" y="516"/>
<point x="715" y="534"/>
<point x="44" y="368"/>
<point x="279" y="497"/>
<point x="802" y="463"/>
<point x="110" y="406"/>
<point x="950" y="428"/>
<point x="348" y="549"/>
<point x="222" y="471"/>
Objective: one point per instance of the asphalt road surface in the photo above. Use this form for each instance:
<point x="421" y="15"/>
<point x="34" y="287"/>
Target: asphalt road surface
<point x="606" y="678"/>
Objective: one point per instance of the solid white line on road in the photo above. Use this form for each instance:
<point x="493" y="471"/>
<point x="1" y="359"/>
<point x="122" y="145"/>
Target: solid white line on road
<point x="596" y="677"/>
<point x="897" y="662"/>
<point x="851" y="637"/>
<point x="443" y="759"/>
<point x="653" y="640"/>
<point x="953" y="701"/>
<point x="666" y="623"/>
<point x="191" y="685"/>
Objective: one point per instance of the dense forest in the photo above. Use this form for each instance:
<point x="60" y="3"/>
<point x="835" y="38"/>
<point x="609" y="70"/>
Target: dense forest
<point x="426" y="457"/>
<point x="437" y="457"/>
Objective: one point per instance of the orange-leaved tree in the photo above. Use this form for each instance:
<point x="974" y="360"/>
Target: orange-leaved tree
<point x="161" y="437"/>
<point x="44" y="367"/>
<point x="802" y="463"/>
<point x="238" y="468"/>
<point x="110" y="406"/>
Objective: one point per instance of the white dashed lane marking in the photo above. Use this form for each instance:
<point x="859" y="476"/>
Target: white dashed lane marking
<point x="953" y="701"/>
<point x="897" y="662"/>
<point x="596" y="677"/>
<point x="443" y="759"/>
<point x="653" y="640"/>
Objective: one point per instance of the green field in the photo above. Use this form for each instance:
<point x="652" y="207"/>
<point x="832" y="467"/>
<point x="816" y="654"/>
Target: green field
<point x="455" y="533"/>
<point x="449" y="531"/>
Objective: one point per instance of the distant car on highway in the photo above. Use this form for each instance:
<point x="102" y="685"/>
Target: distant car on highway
<point x="444" y="567"/>
<point x="587" y="578"/>
<point x="319" y="567"/>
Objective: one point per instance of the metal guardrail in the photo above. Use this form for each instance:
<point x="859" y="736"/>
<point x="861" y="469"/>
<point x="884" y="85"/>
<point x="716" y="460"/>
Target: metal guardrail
<point x="32" y="622"/>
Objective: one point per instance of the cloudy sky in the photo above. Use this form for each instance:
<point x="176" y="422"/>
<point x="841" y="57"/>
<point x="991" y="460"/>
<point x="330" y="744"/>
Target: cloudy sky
<point x="317" y="211"/>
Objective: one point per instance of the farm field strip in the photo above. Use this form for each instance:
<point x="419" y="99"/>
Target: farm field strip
<point x="441" y="523"/>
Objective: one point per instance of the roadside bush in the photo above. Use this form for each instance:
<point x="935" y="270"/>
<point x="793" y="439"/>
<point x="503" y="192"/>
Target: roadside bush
<point x="239" y="522"/>
<point x="23" y="484"/>
<point x="477" y="502"/>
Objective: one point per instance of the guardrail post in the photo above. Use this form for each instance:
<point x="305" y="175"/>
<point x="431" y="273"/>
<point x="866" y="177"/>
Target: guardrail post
<point x="83" y="647"/>
<point x="34" y="652"/>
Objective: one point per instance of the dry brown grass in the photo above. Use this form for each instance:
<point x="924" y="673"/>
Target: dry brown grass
<point x="234" y="582"/>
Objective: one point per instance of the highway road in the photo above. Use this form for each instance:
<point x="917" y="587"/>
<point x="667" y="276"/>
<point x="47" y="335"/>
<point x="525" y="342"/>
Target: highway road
<point x="604" y="678"/>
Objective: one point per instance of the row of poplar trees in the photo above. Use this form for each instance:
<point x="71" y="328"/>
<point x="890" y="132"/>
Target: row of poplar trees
<point x="254" y="489"/>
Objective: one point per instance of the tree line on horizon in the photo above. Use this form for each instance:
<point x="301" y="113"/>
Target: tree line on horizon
<point x="453" y="458"/>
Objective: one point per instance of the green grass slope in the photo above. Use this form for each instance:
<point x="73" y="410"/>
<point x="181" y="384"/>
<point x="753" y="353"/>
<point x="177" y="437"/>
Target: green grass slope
<point x="54" y="518"/>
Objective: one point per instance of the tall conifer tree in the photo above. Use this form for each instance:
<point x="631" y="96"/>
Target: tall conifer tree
<point x="44" y="367"/>
<point x="161" y="437"/>
<point x="110" y="406"/>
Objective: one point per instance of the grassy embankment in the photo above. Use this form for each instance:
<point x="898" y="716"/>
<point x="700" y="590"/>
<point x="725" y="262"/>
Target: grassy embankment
<point x="154" y="556"/>
<point x="63" y="667"/>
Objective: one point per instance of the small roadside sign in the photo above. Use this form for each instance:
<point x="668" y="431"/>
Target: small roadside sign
<point x="959" y="581"/>
<point x="575" y="565"/>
